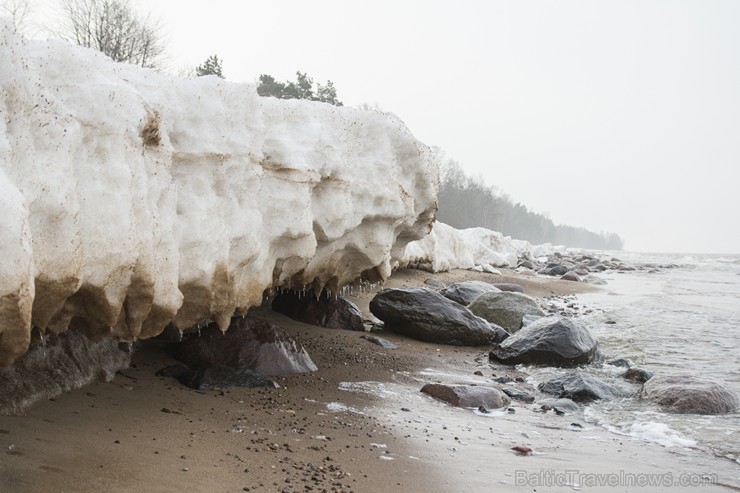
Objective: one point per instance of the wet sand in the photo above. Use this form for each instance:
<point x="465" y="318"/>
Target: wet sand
<point x="358" y="424"/>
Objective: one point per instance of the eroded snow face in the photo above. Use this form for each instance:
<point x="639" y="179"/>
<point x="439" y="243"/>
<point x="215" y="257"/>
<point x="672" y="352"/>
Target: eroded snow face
<point x="131" y="199"/>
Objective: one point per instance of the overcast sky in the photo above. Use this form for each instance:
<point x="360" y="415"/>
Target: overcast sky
<point x="621" y="116"/>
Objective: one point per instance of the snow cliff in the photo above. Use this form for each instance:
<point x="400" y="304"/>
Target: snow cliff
<point x="131" y="199"/>
<point x="447" y="248"/>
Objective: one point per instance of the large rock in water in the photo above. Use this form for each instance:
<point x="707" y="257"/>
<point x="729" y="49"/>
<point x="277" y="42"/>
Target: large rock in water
<point x="465" y="292"/>
<point x="505" y="308"/>
<point x="579" y="386"/>
<point x="690" y="394"/>
<point x="467" y="395"/>
<point x="428" y="316"/>
<point x="58" y="364"/>
<point x="326" y="311"/>
<point x="131" y="199"/>
<point x="250" y="343"/>
<point x="550" y="341"/>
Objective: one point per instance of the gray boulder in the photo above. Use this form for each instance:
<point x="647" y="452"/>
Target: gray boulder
<point x="690" y="394"/>
<point x="465" y="292"/>
<point x="250" y="343"/>
<point x="550" y="341"/>
<point x="579" y="386"/>
<point x="428" y="316"/>
<point x="505" y="308"/>
<point x="467" y="395"/>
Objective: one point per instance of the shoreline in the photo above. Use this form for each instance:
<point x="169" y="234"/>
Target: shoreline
<point x="341" y="428"/>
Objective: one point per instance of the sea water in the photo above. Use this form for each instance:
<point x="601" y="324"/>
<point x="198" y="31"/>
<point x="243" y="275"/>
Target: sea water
<point x="681" y="320"/>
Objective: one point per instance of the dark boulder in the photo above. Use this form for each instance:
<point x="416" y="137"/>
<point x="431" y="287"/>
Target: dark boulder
<point x="579" y="386"/>
<point x="465" y="292"/>
<point x="638" y="375"/>
<point x="326" y="311"/>
<point x="556" y="270"/>
<point x="467" y="395"/>
<point x="223" y="376"/>
<point x="428" y="316"/>
<point x="250" y="343"/>
<point x="550" y="341"/>
<point x="505" y="308"/>
<point x="690" y="394"/>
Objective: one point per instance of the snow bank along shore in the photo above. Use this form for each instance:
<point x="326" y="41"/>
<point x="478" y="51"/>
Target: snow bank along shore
<point x="131" y="199"/>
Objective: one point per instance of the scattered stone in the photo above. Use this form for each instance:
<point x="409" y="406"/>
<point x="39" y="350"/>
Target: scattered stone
<point x="384" y="343"/>
<point x="505" y="308"/>
<point x="562" y="405"/>
<point x="484" y="410"/>
<point x="637" y="375"/>
<point x="465" y="292"/>
<point x="522" y="450"/>
<point x="518" y="395"/>
<point x="580" y="387"/>
<point x="690" y="394"/>
<point x="504" y="379"/>
<point x="332" y="312"/>
<point x="571" y="276"/>
<point x="428" y="316"/>
<point x="550" y="341"/>
<point x="467" y="395"/>
<point x="250" y="343"/>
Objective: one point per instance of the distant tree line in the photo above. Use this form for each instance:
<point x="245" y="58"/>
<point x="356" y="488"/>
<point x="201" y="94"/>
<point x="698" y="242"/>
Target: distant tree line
<point x="466" y="202"/>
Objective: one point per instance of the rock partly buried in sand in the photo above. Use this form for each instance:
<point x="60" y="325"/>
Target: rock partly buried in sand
<point x="467" y="395"/>
<point x="690" y="394"/>
<point x="510" y="287"/>
<point x="580" y="387"/>
<point x="327" y="311"/>
<point x="505" y="308"/>
<point x="57" y="364"/>
<point x="223" y="376"/>
<point x="250" y="343"/>
<point x="428" y="316"/>
<point x="550" y="341"/>
<point x="384" y="343"/>
<point x="571" y="276"/>
<point x="465" y="292"/>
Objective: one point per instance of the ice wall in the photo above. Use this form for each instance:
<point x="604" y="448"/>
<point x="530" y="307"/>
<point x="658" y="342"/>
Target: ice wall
<point x="131" y="199"/>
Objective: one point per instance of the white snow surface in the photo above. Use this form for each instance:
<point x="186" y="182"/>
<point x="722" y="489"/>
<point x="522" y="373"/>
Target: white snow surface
<point x="447" y="248"/>
<point x="132" y="199"/>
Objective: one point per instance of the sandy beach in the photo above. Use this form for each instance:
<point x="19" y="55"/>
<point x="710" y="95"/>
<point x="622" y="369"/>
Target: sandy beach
<point x="357" y="424"/>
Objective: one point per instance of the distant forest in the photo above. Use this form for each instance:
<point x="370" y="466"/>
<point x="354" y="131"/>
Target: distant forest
<point x="466" y="202"/>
